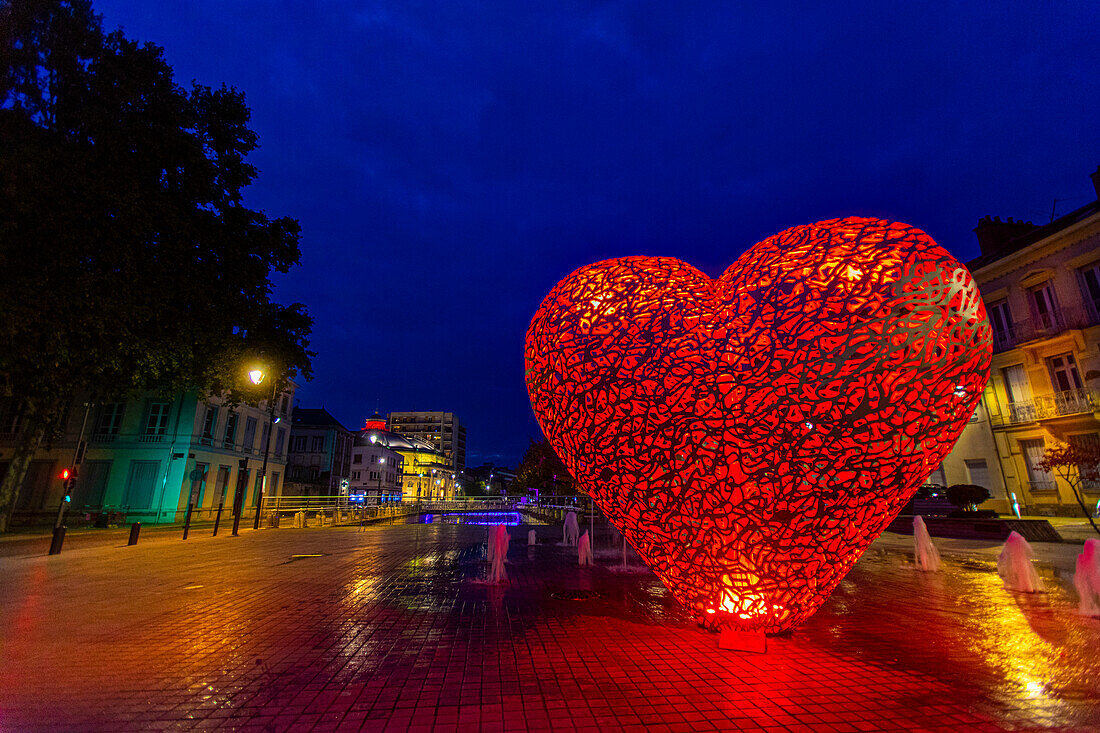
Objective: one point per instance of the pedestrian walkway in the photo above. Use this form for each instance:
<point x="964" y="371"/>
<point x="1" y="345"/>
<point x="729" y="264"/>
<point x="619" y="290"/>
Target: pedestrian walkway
<point x="394" y="628"/>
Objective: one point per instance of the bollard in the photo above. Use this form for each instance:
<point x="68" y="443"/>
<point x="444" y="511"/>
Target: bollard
<point x="135" y="530"/>
<point x="187" y="520"/>
<point x="58" y="539"/>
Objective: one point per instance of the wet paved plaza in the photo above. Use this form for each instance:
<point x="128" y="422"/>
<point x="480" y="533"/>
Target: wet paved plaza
<point x="393" y="628"/>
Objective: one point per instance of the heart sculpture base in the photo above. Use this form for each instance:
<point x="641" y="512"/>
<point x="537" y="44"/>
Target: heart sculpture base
<point x="750" y="436"/>
<point x="743" y="641"/>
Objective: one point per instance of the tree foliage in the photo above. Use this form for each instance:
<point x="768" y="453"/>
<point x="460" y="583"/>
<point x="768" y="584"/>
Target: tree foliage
<point x="1075" y="464"/>
<point x="128" y="260"/>
<point x="542" y="469"/>
<point x="967" y="496"/>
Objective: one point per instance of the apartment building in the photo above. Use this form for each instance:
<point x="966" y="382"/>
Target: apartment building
<point x="441" y="429"/>
<point x="1041" y="287"/>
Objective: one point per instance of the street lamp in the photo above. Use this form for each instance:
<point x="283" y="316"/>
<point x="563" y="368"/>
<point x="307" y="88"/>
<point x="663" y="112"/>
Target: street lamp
<point x="381" y="462"/>
<point x="257" y="376"/>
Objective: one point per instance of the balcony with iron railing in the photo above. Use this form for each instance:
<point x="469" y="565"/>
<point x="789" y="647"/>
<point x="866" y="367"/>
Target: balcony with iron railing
<point x="1041" y="486"/>
<point x="1044" y="326"/>
<point x="1059" y="404"/>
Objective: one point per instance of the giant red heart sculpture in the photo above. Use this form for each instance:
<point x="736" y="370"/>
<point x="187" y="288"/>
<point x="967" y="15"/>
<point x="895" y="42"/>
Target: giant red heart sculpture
<point x="752" y="435"/>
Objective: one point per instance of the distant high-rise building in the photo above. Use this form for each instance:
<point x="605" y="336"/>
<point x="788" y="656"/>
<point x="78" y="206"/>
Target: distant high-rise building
<point x="441" y="429"/>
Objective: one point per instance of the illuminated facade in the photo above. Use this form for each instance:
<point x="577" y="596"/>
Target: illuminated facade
<point x="752" y="435"/>
<point x="1041" y="286"/>
<point x="140" y="457"/>
<point x="427" y="473"/>
<point x="441" y="429"/>
<point x="377" y="471"/>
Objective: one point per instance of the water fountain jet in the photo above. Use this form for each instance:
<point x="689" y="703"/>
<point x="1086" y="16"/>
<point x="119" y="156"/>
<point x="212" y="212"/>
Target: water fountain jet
<point x="584" y="549"/>
<point x="498" y="550"/>
<point x="1086" y="579"/>
<point x="927" y="556"/>
<point x="570" y="530"/>
<point x="1015" y="568"/>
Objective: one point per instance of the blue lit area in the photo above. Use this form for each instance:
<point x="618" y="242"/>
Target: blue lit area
<point x="484" y="519"/>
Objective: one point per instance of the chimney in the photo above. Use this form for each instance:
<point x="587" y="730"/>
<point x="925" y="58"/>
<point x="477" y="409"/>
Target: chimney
<point x="993" y="234"/>
<point x="1095" y="176"/>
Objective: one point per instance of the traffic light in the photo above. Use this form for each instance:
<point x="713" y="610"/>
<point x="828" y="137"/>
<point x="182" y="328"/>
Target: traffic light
<point x="68" y="481"/>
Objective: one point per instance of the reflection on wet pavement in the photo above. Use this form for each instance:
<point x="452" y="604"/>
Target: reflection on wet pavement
<point x="396" y="626"/>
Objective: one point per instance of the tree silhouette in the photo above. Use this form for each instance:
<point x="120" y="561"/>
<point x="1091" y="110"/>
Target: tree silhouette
<point x="128" y="260"/>
<point x="1075" y="464"/>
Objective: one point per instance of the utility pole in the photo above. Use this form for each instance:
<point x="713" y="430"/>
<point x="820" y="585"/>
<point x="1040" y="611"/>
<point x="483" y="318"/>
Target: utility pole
<point x="68" y="482"/>
<point x="267" y="450"/>
<point x="238" y="496"/>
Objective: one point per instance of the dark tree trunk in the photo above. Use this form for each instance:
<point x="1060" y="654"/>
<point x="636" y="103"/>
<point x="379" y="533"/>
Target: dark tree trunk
<point x="30" y="438"/>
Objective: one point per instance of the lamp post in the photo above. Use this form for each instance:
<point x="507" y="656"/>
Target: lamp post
<point x="381" y="465"/>
<point x="257" y="376"/>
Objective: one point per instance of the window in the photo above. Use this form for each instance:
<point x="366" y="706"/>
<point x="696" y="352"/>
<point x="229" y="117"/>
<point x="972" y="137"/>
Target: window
<point x="1001" y="319"/>
<point x="318" y="444"/>
<point x="249" y="433"/>
<point x="357" y="458"/>
<point x="977" y="472"/>
<point x="198" y="491"/>
<point x="265" y="438"/>
<point x="230" y="429"/>
<point x="108" y="421"/>
<point x="1033" y="453"/>
<point x="373" y="458"/>
<point x="274" y="488"/>
<point x="280" y="439"/>
<point x="937" y="477"/>
<point x="1044" y="307"/>
<point x="140" y="483"/>
<point x="1063" y="373"/>
<point x="221" y="484"/>
<point x="1089" y="278"/>
<point x="298" y="443"/>
<point x="91" y="484"/>
<point x="156" y="422"/>
<point x="284" y="404"/>
<point x="1018" y="389"/>
<point x="1090" y="481"/>
<point x="208" y="423"/>
<point x="355" y="475"/>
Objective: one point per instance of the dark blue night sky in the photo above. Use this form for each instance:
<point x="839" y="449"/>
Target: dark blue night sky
<point x="450" y="161"/>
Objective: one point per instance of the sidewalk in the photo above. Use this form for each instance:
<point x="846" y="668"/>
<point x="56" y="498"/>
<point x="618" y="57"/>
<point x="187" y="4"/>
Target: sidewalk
<point x="394" y="628"/>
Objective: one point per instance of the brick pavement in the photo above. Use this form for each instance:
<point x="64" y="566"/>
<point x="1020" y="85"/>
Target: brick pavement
<point x="390" y="628"/>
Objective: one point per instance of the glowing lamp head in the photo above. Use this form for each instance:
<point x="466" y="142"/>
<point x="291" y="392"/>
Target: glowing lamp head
<point x="256" y="376"/>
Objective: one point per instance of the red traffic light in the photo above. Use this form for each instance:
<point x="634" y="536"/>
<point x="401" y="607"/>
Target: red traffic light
<point x="64" y="475"/>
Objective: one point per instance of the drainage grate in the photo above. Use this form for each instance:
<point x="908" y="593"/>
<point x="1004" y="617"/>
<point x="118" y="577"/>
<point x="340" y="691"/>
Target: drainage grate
<point x="294" y="558"/>
<point x="575" y="595"/>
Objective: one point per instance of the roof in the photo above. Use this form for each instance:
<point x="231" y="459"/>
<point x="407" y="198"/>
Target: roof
<point x="1034" y="235"/>
<point x="315" y="417"/>
<point x="396" y="441"/>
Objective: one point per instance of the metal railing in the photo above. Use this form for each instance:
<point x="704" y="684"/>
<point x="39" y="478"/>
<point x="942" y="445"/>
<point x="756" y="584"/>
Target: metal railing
<point x="1043" y="326"/>
<point x="1041" y="486"/>
<point x="1059" y="404"/>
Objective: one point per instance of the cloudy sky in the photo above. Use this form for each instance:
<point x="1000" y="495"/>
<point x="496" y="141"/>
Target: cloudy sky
<point x="450" y="161"/>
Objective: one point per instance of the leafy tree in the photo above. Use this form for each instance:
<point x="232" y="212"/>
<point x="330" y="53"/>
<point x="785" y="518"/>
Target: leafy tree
<point x="128" y="260"/>
<point x="542" y="469"/>
<point x="1075" y="464"/>
<point x="967" y="496"/>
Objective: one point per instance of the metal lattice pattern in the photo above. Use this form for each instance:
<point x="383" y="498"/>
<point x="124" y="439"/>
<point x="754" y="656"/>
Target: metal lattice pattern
<point x="752" y="435"/>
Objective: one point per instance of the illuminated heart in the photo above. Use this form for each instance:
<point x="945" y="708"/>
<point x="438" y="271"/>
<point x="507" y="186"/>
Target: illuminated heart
<point x="752" y="435"/>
